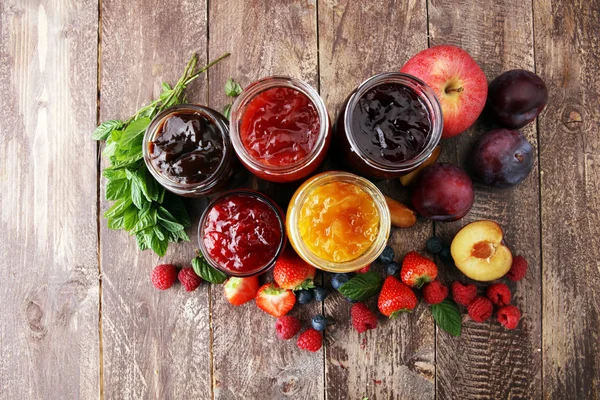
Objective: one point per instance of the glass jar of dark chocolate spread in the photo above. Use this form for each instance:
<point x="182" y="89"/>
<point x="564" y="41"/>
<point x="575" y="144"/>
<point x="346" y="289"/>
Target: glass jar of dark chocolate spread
<point x="188" y="151"/>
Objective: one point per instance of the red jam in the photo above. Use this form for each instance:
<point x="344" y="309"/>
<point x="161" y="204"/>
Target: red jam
<point x="279" y="127"/>
<point x="242" y="233"/>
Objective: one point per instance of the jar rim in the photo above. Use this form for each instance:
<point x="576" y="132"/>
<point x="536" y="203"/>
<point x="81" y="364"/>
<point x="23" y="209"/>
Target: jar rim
<point x="434" y="109"/>
<point x="299" y="198"/>
<point x="216" y="119"/>
<point x="256" y="88"/>
<point x="250" y="193"/>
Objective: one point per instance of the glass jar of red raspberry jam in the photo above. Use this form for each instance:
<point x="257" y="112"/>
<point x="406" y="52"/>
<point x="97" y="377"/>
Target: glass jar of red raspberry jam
<point x="187" y="150"/>
<point x="242" y="233"/>
<point x="389" y="125"/>
<point x="280" y="129"/>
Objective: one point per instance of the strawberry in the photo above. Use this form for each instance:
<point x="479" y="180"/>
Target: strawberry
<point x="417" y="270"/>
<point x="292" y="272"/>
<point x="240" y="290"/>
<point x="274" y="300"/>
<point x="364" y="269"/>
<point x="395" y="297"/>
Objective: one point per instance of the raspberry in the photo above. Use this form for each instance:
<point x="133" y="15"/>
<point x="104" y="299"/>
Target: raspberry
<point x="362" y="318"/>
<point x="189" y="279"/>
<point x="164" y="276"/>
<point x="480" y="309"/>
<point x="287" y="327"/>
<point x="499" y="294"/>
<point x="310" y="340"/>
<point x="435" y="292"/>
<point x="518" y="269"/>
<point x="364" y="269"/>
<point x="463" y="294"/>
<point x="509" y="316"/>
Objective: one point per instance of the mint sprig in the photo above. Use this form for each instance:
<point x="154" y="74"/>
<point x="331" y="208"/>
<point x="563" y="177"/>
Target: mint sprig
<point x="233" y="90"/>
<point x="141" y="206"/>
<point x="362" y="286"/>
<point x="447" y="316"/>
<point x="207" y="272"/>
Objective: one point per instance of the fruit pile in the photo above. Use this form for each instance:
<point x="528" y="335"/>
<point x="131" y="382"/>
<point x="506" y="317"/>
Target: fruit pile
<point x="500" y="158"/>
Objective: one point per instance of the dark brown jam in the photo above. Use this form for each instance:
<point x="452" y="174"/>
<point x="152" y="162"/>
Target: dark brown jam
<point x="391" y="124"/>
<point x="187" y="148"/>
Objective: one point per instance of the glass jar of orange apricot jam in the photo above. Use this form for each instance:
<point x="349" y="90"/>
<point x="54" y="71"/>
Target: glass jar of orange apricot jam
<point x="338" y="221"/>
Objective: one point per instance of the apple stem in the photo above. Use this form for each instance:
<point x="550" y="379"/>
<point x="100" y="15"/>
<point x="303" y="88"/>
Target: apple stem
<point x="457" y="90"/>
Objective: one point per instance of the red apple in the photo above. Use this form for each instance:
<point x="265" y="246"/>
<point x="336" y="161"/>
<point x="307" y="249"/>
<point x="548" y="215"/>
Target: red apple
<point x="457" y="81"/>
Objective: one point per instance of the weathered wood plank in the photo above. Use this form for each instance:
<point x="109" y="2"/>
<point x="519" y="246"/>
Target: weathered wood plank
<point x="488" y="361"/>
<point x="567" y="52"/>
<point x="396" y="360"/>
<point x="49" y="267"/>
<point x="265" y="39"/>
<point x="156" y="344"/>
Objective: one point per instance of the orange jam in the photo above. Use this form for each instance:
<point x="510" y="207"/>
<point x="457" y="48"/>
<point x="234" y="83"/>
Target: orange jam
<point x="339" y="221"/>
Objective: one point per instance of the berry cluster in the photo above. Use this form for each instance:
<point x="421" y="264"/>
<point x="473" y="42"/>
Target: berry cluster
<point x="165" y="275"/>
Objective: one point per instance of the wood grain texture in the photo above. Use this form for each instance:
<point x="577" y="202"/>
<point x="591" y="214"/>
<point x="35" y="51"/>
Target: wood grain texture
<point x="356" y="41"/>
<point x="49" y="266"/>
<point x="265" y="39"/>
<point x="567" y="50"/>
<point x="156" y="344"/>
<point x="488" y="361"/>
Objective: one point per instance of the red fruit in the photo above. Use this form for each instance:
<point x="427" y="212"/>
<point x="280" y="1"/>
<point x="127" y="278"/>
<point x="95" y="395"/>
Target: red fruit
<point x="292" y="272"/>
<point x="457" y="81"/>
<point x="310" y="340"/>
<point x="240" y="290"/>
<point x="189" y="279"/>
<point x="499" y="294"/>
<point x="164" y="276"/>
<point x="518" y="269"/>
<point x="362" y="318"/>
<point x="435" y="292"/>
<point x="395" y="297"/>
<point x="274" y="300"/>
<point x="480" y="309"/>
<point x="417" y="270"/>
<point x="463" y="294"/>
<point x="364" y="269"/>
<point x="509" y="316"/>
<point x="287" y="327"/>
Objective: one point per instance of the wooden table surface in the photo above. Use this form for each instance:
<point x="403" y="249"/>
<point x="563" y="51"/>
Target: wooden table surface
<point x="79" y="317"/>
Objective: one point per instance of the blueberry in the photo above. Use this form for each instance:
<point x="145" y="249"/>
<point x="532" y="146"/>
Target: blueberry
<point x="435" y="245"/>
<point x="351" y="301"/>
<point x="392" y="268"/>
<point x="337" y="280"/>
<point x="319" y="322"/>
<point x="387" y="256"/>
<point x="304" y="296"/>
<point x="320" y="293"/>
<point x="445" y="255"/>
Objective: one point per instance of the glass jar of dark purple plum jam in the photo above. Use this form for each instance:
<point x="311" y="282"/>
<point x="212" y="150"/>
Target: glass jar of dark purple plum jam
<point x="280" y="129"/>
<point x="242" y="233"/>
<point x="188" y="151"/>
<point x="389" y="125"/>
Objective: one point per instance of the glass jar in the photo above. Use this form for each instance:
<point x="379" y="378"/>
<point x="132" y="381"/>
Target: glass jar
<point x="280" y="129"/>
<point x="338" y="201"/>
<point x="188" y="151"/>
<point x="242" y="233"/>
<point x="376" y="135"/>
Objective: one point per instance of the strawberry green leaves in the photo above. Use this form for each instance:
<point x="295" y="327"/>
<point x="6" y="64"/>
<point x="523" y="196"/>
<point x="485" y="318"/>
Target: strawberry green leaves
<point x="362" y="286"/>
<point x="448" y="317"/>
<point x="141" y="206"/>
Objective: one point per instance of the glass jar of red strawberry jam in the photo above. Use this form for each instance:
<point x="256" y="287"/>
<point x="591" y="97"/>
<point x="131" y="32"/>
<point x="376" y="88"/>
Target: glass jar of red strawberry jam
<point x="389" y="125"/>
<point x="187" y="150"/>
<point x="280" y="129"/>
<point x="242" y="233"/>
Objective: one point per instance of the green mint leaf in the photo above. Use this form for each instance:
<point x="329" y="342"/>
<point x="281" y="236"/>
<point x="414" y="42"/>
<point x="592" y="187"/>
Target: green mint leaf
<point x="158" y="245"/>
<point x="115" y="223"/>
<point x="175" y="206"/>
<point x="133" y="134"/>
<point x="227" y="111"/>
<point x="232" y="88"/>
<point x="116" y="188"/>
<point x="448" y="317"/>
<point x="362" y="286"/>
<point x="146" y="220"/>
<point x="175" y="237"/>
<point x="118" y="208"/>
<point x="136" y="193"/>
<point x="130" y="217"/>
<point x="141" y="241"/>
<point x="168" y="221"/>
<point x="206" y="272"/>
<point x="103" y="131"/>
<point x="114" y="173"/>
<point x="166" y="87"/>
<point x="159" y="233"/>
